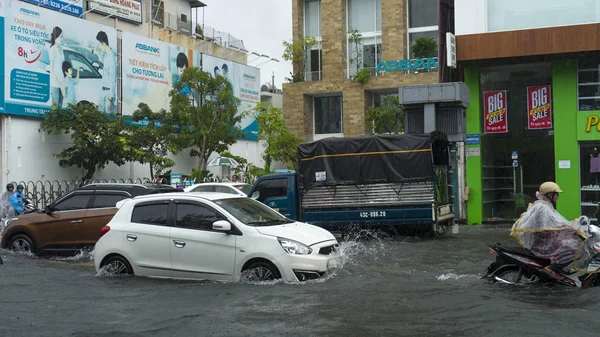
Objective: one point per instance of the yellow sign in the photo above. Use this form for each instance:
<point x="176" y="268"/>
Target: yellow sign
<point x="592" y="121"/>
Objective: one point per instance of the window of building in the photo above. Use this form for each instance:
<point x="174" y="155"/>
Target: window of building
<point x="588" y="85"/>
<point x="328" y="115"/>
<point x="312" y="27"/>
<point x="158" y="12"/>
<point x="519" y="14"/>
<point x="422" y="22"/>
<point x="365" y="17"/>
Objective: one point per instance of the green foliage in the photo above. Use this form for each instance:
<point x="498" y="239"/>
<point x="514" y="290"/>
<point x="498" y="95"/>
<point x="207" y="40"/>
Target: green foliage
<point x="248" y="171"/>
<point x="153" y="141"/>
<point x="362" y="76"/>
<point x="280" y="143"/>
<point x="389" y="117"/>
<point x="198" y="30"/>
<point x="424" y="47"/>
<point x="297" y="53"/>
<point x="98" y="138"/>
<point x="200" y="175"/>
<point x="355" y="38"/>
<point x="208" y="117"/>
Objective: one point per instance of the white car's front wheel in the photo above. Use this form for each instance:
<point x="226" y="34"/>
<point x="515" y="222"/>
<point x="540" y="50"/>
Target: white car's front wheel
<point x="260" y="271"/>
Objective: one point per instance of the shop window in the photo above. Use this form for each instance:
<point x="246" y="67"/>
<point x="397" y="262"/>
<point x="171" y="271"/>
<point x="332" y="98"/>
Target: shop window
<point x="422" y="22"/>
<point x="589" y="154"/>
<point x="328" y="115"/>
<point x="508" y="186"/>
<point x="588" y="85"/>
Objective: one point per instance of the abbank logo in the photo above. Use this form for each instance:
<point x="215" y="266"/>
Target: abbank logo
<point x="29" y="12"/>
<point x="146" y="49"/>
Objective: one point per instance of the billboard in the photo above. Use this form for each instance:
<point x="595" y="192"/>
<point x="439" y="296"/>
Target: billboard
<point x="56" y="60"/>
<point x="70" y="7"/>
<point x="2" y="4"/>
<point x="150" y="68"/>
<point x="539" y="107"/>
<point x="130" y="10"/>
<point x="495" y="112"/>
<point x="246" y="86"/>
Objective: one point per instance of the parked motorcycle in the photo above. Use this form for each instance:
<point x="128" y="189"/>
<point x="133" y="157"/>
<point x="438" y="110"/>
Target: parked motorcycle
<point x="516" y="265"/>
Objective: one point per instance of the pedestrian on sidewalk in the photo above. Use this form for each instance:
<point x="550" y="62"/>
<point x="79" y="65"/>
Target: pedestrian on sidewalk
<point x="5" y="208"/>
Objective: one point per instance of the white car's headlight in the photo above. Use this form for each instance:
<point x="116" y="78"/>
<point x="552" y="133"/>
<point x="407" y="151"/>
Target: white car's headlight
<point x="294" y="247"/>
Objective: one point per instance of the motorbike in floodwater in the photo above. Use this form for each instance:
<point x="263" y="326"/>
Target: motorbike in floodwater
<point x="516" y="265"/>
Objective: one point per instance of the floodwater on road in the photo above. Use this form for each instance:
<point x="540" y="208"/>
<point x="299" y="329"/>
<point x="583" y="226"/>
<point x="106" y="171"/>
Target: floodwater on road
<point x="391" y="287"/>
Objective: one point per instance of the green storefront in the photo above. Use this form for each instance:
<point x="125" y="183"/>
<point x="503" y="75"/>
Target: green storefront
<point x="503" y="170"/>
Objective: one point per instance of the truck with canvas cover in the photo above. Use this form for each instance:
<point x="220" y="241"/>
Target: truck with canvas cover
<point x="367" y="181"/>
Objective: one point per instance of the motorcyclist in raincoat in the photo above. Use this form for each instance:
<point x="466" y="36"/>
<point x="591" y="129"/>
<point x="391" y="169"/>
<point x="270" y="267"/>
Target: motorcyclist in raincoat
<point x="17" y="200"/>
<point x="548" y="235"/>
<point x="5" y="208"/>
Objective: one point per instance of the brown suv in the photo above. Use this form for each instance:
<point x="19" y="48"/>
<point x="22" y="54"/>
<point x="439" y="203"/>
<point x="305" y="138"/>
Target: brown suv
<point x="74" y="221"/>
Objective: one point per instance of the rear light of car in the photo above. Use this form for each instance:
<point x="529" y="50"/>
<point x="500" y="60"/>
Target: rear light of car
<point x="104" y="230"/>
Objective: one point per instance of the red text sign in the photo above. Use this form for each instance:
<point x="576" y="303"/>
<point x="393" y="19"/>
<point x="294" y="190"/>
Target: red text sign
<point x="495" y="112"/>
<point x="539" y="107"/>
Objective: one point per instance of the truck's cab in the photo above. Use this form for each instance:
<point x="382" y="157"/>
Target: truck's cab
<point x="278" y="191"/>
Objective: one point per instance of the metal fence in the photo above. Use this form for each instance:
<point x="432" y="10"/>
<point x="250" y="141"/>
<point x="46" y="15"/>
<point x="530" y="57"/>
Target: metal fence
<point x="43" y="193"/>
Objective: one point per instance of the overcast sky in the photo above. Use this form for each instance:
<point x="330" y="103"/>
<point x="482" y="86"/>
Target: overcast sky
<point x="262" y="24"/>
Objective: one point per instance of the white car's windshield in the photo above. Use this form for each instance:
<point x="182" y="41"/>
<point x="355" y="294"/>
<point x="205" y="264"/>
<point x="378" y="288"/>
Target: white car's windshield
<point x="252" y="212"/>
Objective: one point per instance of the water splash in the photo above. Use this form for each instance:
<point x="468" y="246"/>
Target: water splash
<point x="453" y="276"/>
<point x="84" y="255"/>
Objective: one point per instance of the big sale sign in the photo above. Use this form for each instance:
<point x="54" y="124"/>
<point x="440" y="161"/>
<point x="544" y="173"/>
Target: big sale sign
<point x="495" y="112"/>
<point x="539" y="107"/>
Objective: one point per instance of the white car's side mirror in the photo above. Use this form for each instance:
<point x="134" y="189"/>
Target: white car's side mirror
<point x="255" y="195"/>
<point x="221" y="225"/>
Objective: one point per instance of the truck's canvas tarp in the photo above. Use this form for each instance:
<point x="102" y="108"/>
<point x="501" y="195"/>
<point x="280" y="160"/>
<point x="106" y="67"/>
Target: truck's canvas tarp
<point x="367" y="160"/>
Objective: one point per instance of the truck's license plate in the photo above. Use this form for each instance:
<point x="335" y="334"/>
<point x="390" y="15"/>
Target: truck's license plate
<point x="373" y="214"/>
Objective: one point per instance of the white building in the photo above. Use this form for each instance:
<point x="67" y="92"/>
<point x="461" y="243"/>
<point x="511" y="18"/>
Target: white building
<point x="27" y="154"/>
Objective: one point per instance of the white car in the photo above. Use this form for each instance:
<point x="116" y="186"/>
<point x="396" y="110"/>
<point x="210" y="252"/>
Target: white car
<point x="226" y="187"/>
<point x="212" y="236"/>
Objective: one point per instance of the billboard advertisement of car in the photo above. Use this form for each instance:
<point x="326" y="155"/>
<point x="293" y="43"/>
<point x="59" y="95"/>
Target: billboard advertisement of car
<point x="70" y="7"/>
<point x="246" y="86"/>
<point x="56" y="60"/>
<point x="150" y="68"/>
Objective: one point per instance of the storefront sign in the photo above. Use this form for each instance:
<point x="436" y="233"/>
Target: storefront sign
<point x="473" y="139"/>
<point x="495" y="112"/>
<point x="130" y="10"/>
<point x="408" y="65"/>
<point x="539" y="107"/>
<point x="70" y="7"/>
<point x="592" y="121"/>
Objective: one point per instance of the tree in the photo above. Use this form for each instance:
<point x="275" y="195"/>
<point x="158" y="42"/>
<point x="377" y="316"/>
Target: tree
<point x="199" y="30"/>
<point x="153" y="136"/>
<point x="424" y="47"/>
<point x="207" y="112"/>
<point x="98" y="138"/>
<point x="387" y="118"/>
<point x="297" y="52"/>
<point x="280" y="143"/>
<point x="355" y="38"/>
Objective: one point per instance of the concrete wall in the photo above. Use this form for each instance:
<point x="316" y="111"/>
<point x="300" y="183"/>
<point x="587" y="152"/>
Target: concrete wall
<point x="28" y="154"/>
